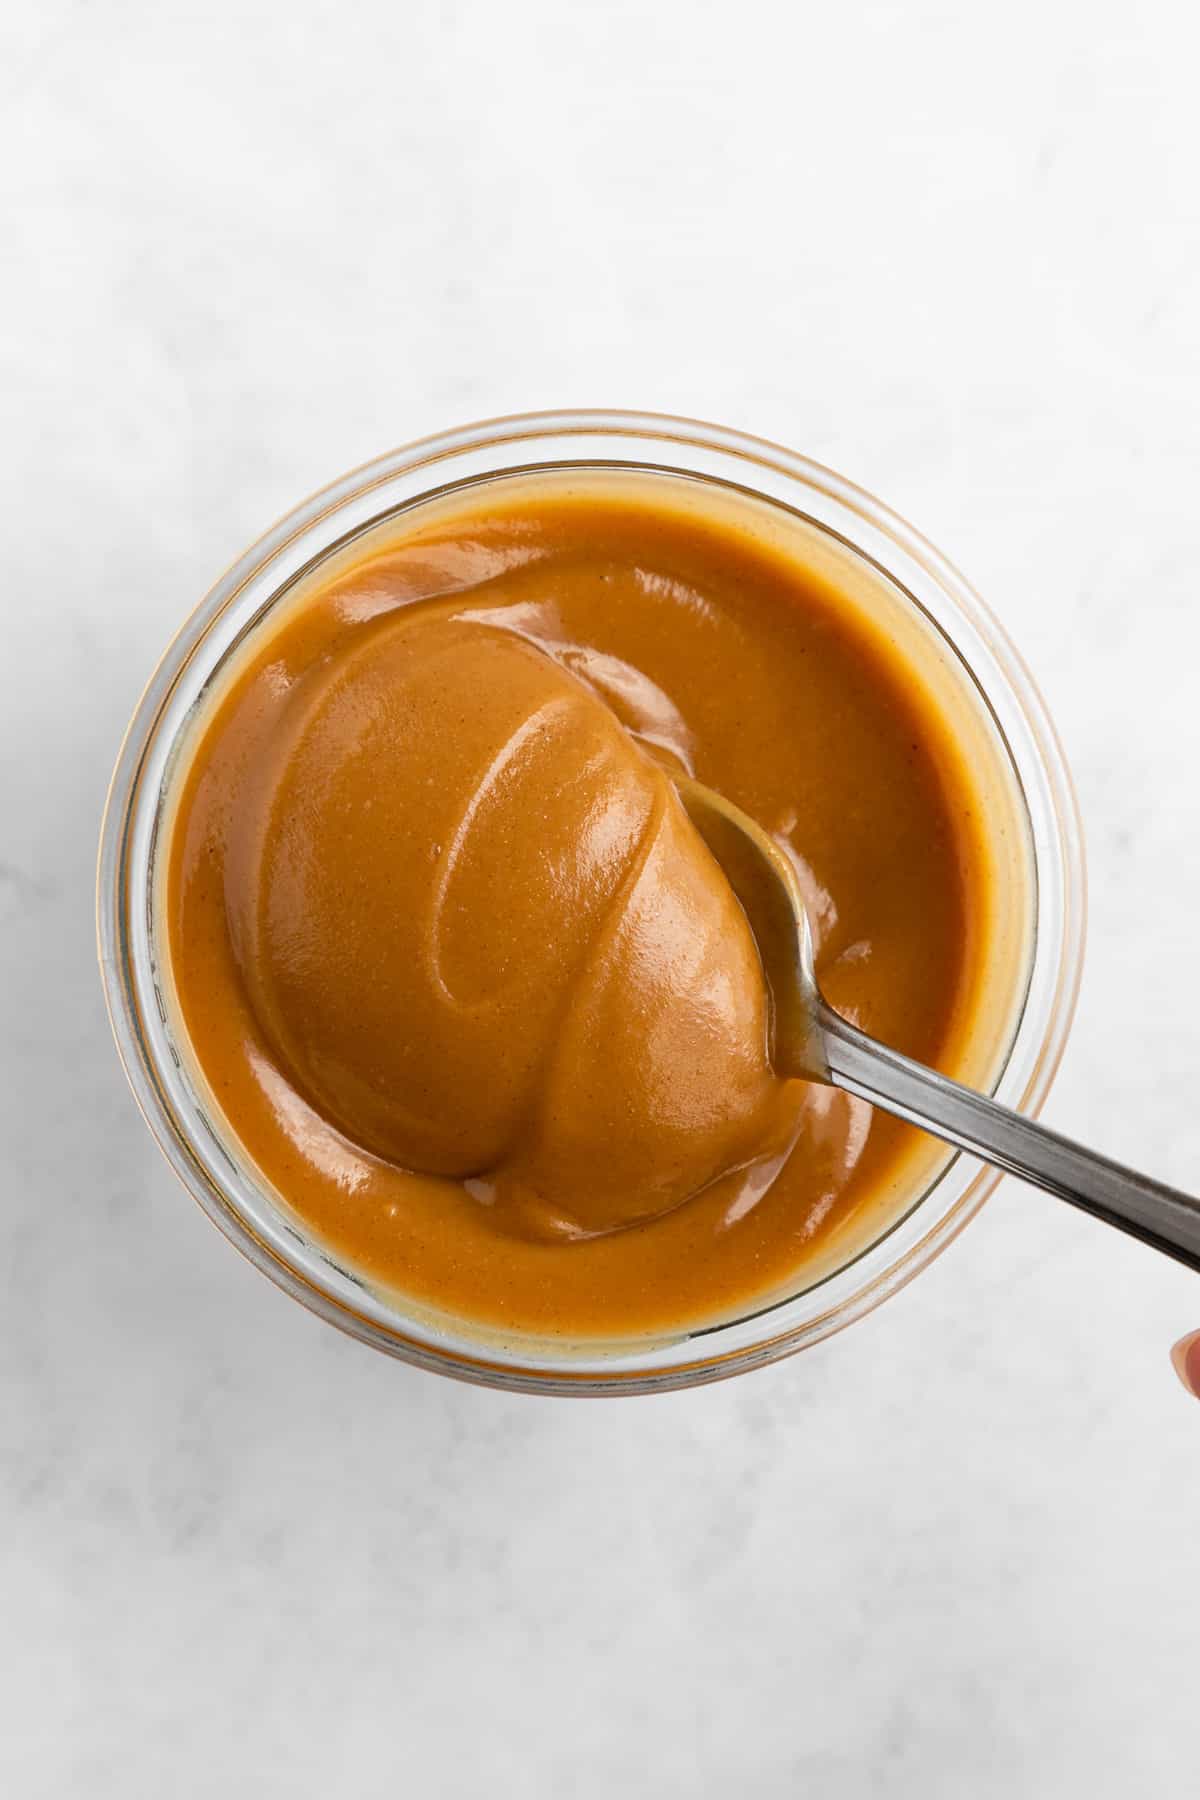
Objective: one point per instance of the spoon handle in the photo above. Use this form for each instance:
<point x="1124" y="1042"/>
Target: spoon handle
<point x="1146" y="1209"/>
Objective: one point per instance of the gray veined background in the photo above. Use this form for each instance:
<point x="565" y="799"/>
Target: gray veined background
<point x="953" y="252"/>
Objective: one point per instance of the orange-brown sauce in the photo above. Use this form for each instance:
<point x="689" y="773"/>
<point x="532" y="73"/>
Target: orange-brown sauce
<point x="459" y="973"/>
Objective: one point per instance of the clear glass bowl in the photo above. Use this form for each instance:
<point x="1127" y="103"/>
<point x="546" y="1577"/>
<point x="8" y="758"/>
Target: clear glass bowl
<point x="209" y="1166"/>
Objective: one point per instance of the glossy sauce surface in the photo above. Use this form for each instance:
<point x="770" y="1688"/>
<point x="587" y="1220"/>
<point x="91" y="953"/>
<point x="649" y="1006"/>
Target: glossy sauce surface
<point x="457" y="970"/>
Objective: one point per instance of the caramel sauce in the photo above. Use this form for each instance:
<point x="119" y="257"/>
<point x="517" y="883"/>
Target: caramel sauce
<point x="463" y="981"/>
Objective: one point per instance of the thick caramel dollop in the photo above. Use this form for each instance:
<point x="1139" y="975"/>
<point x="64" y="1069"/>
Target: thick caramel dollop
<point x="481" y="933"/>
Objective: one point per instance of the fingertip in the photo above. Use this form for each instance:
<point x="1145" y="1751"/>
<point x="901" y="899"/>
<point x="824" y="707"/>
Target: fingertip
<point x="1186" y="1357"/>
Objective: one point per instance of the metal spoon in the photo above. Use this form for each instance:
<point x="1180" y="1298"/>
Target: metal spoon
<point x="815" y="1043"/>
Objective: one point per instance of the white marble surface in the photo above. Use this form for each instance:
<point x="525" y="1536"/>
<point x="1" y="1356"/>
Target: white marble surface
<point x="952" y="252"/>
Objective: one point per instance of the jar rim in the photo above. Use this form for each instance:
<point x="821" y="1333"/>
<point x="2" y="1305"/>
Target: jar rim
<point x="377" y="488"/>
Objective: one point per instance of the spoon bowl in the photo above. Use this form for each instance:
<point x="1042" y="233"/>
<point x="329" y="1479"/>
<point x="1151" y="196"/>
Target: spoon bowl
<point x="766" y="886"/>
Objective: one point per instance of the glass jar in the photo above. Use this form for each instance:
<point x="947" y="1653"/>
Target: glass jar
<point x="919" y="584"/>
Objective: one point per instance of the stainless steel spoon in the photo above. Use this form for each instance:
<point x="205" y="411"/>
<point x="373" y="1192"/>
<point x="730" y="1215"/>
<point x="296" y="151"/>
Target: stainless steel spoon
<point x="814" y="1042"/>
